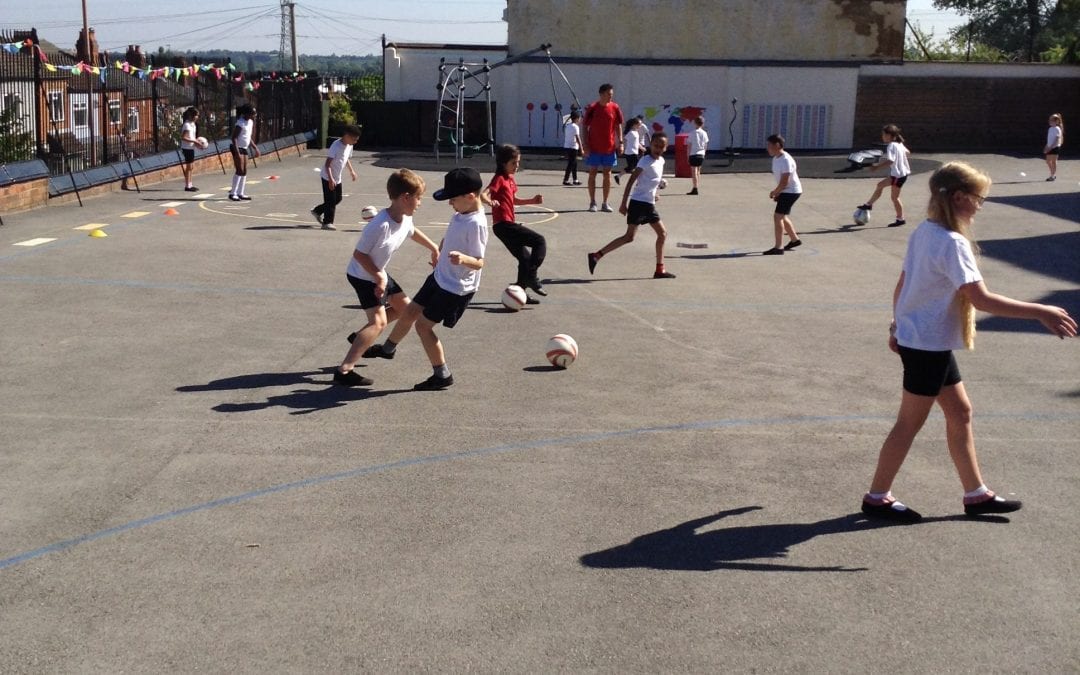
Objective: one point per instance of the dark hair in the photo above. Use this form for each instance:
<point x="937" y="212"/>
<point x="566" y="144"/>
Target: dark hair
<point x="246" y="110"/>
<point x="699" y="120"/>
<point x="504" y="154"/>
<point x="351" y="130"/>
<point x="190" y="114"/>
<point x="606" y="87"/>
<point x="777" y="139"/>
<point x="660" y="134"/>
<point x="575" y="114"/>
<point x="893" y="131"/>
<point x="631" y="123"/>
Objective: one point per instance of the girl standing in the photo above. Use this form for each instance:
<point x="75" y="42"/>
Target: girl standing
<point x="188" y="134"/>
<point x="1055" y="136"/>
<point x="572" y="146"/>
<point x="528" y="246"/>
<point x="699" y="144"/>
<point x="896" y="158"/>
<point x="240" y="147"/>
<point x="632" y="145"/>
<point x="934" y="304"/>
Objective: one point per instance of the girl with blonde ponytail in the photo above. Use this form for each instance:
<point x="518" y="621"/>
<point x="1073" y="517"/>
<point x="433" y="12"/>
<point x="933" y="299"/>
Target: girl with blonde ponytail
<point x="934" y="303"/>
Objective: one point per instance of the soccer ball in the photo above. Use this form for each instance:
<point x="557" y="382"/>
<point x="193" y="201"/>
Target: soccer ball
<point x="861" y="216"/>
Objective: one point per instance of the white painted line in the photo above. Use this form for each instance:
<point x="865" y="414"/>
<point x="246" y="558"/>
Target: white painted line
<point x="205" y="195"/>
<point x="169" y="205"/>
<point x="136" y="214"/>
<point x="35" y="242"/>
<point x="281" y="215"/>
<point x="92" y="226"/>
<point x="253" y="182"/>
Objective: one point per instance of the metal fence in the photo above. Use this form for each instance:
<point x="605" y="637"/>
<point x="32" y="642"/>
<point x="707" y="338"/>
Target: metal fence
<point x="76" y="116"/>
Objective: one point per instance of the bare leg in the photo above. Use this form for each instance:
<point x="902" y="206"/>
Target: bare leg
<point x="432" y="345"/>
<point x="1051" y="163"/>
<point x="365" y="337"/>
<point x="897" y="204"/>
<point x="913" y="412"/>
<point x="661" y="237"/>
<point x="406" y="317"/>
<point x="789" y="227"/>
<point x="619" y="241"/>
<point x="957" y="408"/>
<point x="607" y="184"/>
<point x="878" y="189"/>
<point x="778" y="229"/>
<point x="592" y="184"/>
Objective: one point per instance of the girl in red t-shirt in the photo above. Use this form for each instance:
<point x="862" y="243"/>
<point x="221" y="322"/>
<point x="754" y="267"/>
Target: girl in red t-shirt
<point x="528" y="246"/>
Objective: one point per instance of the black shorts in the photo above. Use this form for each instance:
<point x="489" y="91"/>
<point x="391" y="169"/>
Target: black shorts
<point x="785" y="200"/>
<point x="898" y="181"/>
<point x="441" y="306"/>
<point x="631" y="162"/>
<point x="1054" y="151"/>
<point x="926" y="373"/>
<point x="241" y="151"/>
<point x="641" y="213"/>
<point x="365" y="291"/>
<point x="189" y="155"/>
<point x="697" y="160"/>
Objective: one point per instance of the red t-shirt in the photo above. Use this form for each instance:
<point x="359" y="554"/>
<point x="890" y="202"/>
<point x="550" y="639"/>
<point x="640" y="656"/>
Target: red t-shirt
<point x="604" y="126"/>
<point x="503" y="189"/>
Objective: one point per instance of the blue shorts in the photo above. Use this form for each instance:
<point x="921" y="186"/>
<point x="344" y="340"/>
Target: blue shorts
<point x="602" y="160"/>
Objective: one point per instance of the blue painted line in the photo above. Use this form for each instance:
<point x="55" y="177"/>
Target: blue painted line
<point x="467" y="454"/>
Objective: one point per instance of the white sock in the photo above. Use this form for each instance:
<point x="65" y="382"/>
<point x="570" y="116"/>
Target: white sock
<point x="878" y="495"/>
<point x="977" y="492"/>
<point x="243" y="185"/>
<point x="235" y="184"/>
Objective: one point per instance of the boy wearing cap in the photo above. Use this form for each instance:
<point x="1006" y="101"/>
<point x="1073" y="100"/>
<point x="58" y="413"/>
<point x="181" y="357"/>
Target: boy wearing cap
<point x="447" y="291"/>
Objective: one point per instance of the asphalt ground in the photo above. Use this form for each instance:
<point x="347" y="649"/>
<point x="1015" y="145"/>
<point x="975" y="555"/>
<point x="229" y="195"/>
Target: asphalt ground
<point x="183" y="489"/>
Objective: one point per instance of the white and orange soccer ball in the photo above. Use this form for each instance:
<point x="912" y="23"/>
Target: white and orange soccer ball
<point x="562" y="350"/>
<point x="514" y="297"/>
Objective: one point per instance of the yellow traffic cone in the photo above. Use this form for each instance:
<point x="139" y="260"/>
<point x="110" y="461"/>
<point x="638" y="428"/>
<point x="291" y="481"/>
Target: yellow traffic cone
<point x="97" y="234"/>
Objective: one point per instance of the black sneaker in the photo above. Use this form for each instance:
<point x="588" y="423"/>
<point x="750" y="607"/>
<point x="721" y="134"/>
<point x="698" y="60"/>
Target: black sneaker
<point x="233" y="198"/>
<point x="350" y="337"/>
<point x="566" y="182"/>
<point x="530" y="300"/>
<point x="352" y="379"/>
<point x="617" y="182"/>
<point x="377" y="352"/>
<point x="191" y="189"/>
<point x="773" y="251"/>
<point x="693" y="191"/>
<point x="865" y="207"/>
<point x="991" y="504"/>
<point x="592" y="262"/>
<point x="243" y="198"/>
<point x="897" y="223"/>
<point x="434" y="383"/>
<point x="887" y="510"/>
<point x="663" y="275"/>
<point x="792" y="244"/>
<point x="537" y="286"/>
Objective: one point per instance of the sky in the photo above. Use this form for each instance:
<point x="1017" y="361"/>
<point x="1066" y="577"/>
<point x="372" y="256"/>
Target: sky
<point x="353" y="27"/>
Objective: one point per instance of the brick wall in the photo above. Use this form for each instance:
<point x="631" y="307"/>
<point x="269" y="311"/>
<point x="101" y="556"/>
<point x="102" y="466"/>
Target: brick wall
<point x="976" y="114"/>
<point x="25" y="195"/>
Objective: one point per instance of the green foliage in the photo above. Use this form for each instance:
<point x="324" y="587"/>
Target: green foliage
<point x="16" y="143"/>
<point x="271" y="61"/>
<point x="341" y="114"/>
<point x="365" y="88"/>
<point x="1020" y="29"/>
<point x="947" y="48"/>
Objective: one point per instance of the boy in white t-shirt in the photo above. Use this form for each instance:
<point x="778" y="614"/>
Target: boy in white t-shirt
<point x="572" y="146"/>
<point x="699" y="143"/>
<point x="337" y="160"/>
<point x="787" y="191"/>
<point x="639" y="205"/>
<point x="447" y="291"/>
<point x="376" y="289"/>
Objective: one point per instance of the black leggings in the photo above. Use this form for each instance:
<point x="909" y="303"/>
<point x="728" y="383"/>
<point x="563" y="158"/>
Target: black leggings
<point x="571" y="164"/>
<point x="516" y="238"/>
<point x="331" y="198"/>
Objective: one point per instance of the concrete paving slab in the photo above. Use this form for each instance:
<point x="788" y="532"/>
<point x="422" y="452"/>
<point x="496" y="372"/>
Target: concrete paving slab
<point x="183" y="489"/>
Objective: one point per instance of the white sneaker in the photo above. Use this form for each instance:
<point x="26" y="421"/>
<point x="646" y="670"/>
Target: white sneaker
<point x="605" y="208"/>
<point x="592" y="207"/>
<point x="328" y="226"/>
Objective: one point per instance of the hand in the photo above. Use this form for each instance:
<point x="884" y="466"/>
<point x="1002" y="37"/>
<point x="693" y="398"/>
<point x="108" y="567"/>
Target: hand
<point x="380" y="285"/>
<point x="773" y="195"/>
<point x="332" y="184"/>
<point x="455" y="257"/>
<point x="538" y="199"/>
<point x="434" y="258"/>
<point x="622" y="208"/>
<point x="495" y="203"/>
<point x="893" y="344"/>
<point x="1058" y="321"/>
<point x="354" y="176"/>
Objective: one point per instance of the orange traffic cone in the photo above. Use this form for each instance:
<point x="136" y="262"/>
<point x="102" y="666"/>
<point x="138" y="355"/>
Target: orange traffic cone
<point x="171" y="212"/>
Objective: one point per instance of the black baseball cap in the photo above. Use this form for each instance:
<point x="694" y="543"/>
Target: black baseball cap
<point x="457" y="182"/>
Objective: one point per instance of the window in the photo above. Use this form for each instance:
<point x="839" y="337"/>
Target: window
<point x="79" y="116"/>
<point x="114" y="111"/>
<point x="13" y="102"/>
<point x="56" y="106"/>
<point x="133" y="119"/>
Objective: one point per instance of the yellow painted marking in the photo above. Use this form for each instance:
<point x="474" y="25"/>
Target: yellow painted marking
<point x="35" y="242"/>
<point x="136" y="214"/>
<point x="92" y="226"/>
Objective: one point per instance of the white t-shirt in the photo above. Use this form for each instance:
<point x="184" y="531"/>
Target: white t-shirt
<point x="382" y="236"/>
<point x="571" y="133"/>
<point x="897" y="153"/>
<point x="338" y="154"/>
<point x="243" y="139"/>
<point x="187" y="128"/>
<point x="699" y="142"/>
<point x="928" y="312"/>
<point x="631" y="142"/>
<point x="647" y="182"/>
<point x="1053" y="137"/>
<point x="785" y="163"/>
<point x="467" y="233"/>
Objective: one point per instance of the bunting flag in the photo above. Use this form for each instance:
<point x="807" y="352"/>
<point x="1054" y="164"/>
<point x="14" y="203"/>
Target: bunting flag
<point x="166" y="72"/>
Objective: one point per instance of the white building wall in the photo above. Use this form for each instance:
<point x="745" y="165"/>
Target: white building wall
<point x="412" y="72"/>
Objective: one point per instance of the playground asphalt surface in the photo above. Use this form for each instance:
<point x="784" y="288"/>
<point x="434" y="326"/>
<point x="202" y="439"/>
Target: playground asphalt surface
<point x="183" y="489"/>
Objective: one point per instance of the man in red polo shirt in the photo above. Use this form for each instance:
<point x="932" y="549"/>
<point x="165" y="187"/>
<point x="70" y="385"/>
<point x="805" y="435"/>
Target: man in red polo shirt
<point x="603" y="142"/>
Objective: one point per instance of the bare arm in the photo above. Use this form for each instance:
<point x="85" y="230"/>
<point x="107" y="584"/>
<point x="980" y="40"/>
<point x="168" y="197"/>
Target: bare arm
<point x="459" y="258"/>
<point x="422" y="239"/>
<point x="1055" y="319"/>
<point x="893" y="345"/>
<point x="784" y="180"/>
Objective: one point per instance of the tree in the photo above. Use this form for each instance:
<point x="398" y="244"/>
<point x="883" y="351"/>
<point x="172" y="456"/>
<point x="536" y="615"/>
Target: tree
<point x="16" y="144"/>
<point x="1016" y="27"/>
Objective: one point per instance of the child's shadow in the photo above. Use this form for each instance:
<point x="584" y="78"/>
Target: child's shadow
<point x="680" y="548"/>
<point x="303" y="401"/>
